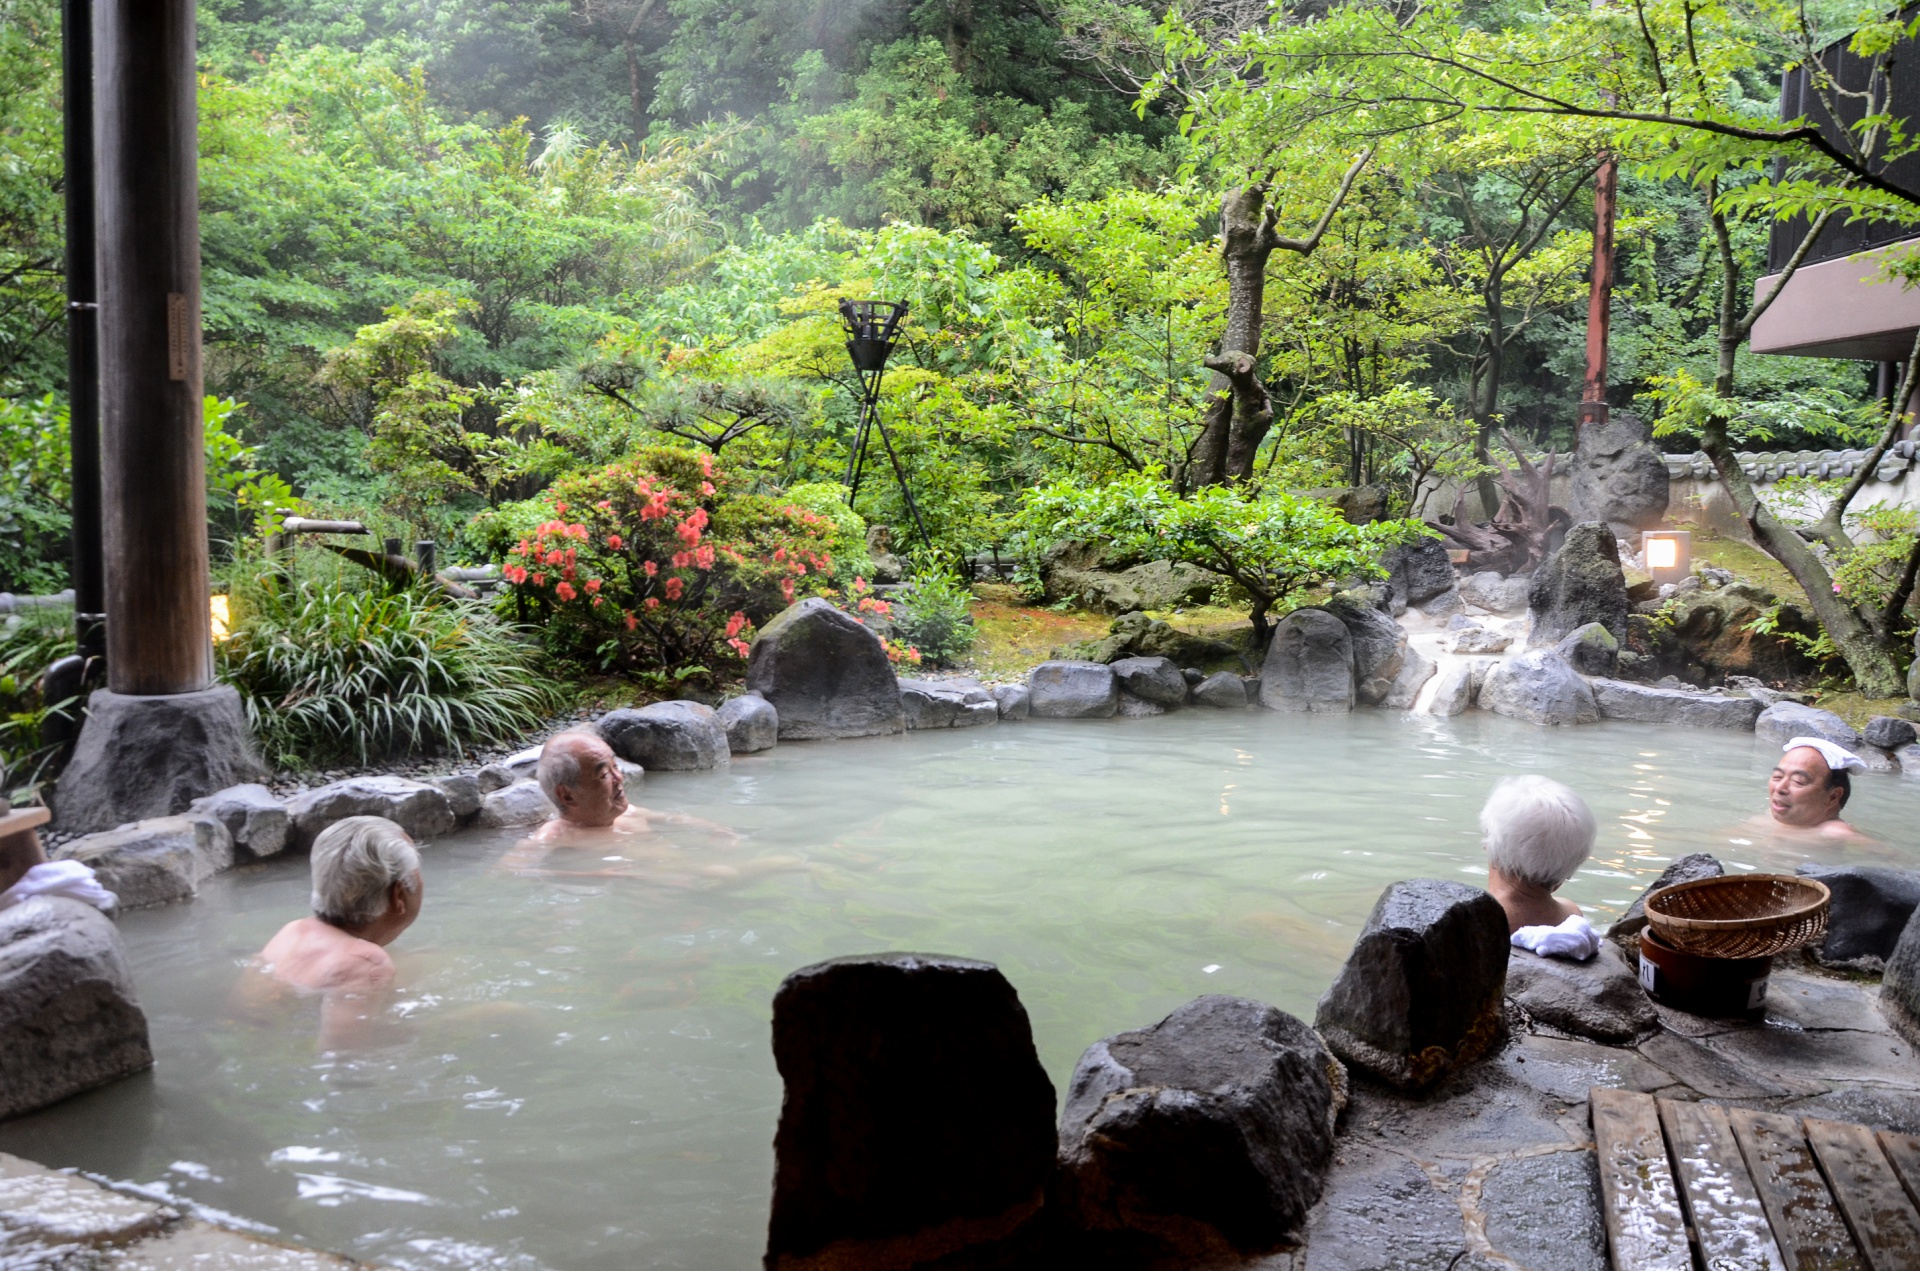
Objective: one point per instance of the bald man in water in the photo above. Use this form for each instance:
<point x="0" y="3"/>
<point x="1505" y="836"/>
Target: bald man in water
<point x="1808" y="788"/>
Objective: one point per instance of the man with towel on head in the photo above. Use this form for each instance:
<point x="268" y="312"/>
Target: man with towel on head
<point x="1810" y="785"/>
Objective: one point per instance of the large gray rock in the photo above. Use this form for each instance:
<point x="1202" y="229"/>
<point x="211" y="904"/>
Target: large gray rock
<point x="1908" y="758"/>
<point x="825" y="674"/>
<point x="255" y="820"/>
<point x="668" y="736"/>
<point x="1475" y="638"/>
<point x="751" y="722"/>
<point x="1309" y="666"/>
<point x="1599" y="999"/>
<point x="1645" y="704"/>
<point x="1072" y="690"/>
<point x="1421" y="994"/>
<point x="1889" y="732"/>
<point x="1783" y="721"/>
<point x="917" y="1122"/>
<point x="1415" y="671"/>
<point x="946" y="704"/>
<point x="1539" y="687"/>
<point x="522" y="803"/>
<point x="423" y="811"/>
<point x="1685" y="869"/>
<point x="1619" y="476"/>
<point x="152" y="862"/>
<point x="141" y="757"/>
<point x="1580" y="583"/>
<point x="68" y="1018"/>
<point x="1495" y="592"/>
<point x="1223" y="690"/>
<point x="1012" y="700"/>
<point x="1871" y="907"/>
<point x="1420" y="571"/>
<point x="1459" y="687"/>
<point x="1155" y="680"/>
<point x="1590" y="650"/>
<point x="463" y="794"/>
<point x="1220" y="1116"/>
<point x="1379" y="646"/>
<point x="1899" y="987"/>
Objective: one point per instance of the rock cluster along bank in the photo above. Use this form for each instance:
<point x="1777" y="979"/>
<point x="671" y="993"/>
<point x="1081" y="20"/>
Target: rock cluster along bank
<point x="1434" y="1115"/>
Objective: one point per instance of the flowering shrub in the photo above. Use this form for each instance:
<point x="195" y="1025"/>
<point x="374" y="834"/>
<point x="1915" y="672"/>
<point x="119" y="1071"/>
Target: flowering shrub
<point x="665" y="560"/>
<point x="877" y="615"/>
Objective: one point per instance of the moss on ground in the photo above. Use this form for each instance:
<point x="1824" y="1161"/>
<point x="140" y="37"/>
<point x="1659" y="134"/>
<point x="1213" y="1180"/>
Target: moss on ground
<point x="1749" y="563"/>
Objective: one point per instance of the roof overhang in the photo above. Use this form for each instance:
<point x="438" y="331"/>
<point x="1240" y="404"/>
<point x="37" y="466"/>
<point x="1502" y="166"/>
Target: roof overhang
<point x="1844" y="308"/>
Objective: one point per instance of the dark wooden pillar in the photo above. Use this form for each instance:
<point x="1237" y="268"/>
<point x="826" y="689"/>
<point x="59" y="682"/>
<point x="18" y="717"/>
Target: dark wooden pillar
<point x="83" y="332"/>
<point x="148" y="248"/>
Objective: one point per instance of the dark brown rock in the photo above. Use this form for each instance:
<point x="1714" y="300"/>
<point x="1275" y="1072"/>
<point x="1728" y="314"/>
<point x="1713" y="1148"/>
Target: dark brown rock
<point x="1218" y="1119"/>
<point x="1421" y="993"/>
<point x="917" y="1123"/>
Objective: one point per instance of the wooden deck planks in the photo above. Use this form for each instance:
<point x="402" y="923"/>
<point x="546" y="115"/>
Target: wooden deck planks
<point x="1904" y="1151"/>
<point x="1883" y="1220"/>
<point x="1806" y="1223"/>
<point x="1640" y="1203"/>
<point x="1728" y="1219"/>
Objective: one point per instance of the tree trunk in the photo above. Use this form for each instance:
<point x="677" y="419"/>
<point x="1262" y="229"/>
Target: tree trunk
<point x="1246" y="241"/>
<point x="1252" y="411"/>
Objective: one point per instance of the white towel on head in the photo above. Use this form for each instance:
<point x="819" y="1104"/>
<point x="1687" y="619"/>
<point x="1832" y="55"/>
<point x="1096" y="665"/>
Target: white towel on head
<point x="1573" y="938"/>
<point x="1838" y="758"/>
<point x="59" y="878"/>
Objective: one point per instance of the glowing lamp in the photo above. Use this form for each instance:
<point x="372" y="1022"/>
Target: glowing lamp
<point x="1669" y="554"/>
<point x="221" y="616"/>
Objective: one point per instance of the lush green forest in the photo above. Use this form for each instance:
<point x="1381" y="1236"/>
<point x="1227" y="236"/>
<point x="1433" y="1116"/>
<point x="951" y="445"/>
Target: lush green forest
<point x="461" y="255"/>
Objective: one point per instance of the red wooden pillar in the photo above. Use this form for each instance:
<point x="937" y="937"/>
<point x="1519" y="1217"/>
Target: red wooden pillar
<point x="1593" y="394"/>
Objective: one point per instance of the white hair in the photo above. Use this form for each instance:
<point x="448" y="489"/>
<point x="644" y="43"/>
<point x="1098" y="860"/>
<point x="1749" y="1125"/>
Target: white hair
<point x="1536" y="830"/>
<point x="356" y="862"/>
<point x="560" y="765"/>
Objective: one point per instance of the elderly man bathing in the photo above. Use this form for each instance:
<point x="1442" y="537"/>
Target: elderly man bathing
<point x="367" y="889"/>
<point x="1808" y="788"/>
<point x="580" y="775"/>
<point x="1537" y="833"/>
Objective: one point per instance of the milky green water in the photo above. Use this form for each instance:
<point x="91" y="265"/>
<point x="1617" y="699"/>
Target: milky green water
<point x="575" y="1073"/>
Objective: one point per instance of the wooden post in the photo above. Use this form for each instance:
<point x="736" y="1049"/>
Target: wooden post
<point x="147" y="234"/>
<point x="83" y="331"/>
<point x="1593" y="395"/>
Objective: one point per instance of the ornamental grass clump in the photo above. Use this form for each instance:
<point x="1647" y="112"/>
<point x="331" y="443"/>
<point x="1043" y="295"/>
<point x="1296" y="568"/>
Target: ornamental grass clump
<point x="665" y="562"/>
<point x="338" y="667"/>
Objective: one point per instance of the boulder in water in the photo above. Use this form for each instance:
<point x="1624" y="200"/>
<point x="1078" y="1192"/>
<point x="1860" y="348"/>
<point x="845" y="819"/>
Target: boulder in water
<point x="668" y="736"/>
<point x="1590" y="650"/>
<point x="1539" y="687"/>
<point x="422" y="810"/>
<point x="1309" y="666"/>
<point x="1155" y="680"/>
<point x="1223" y="690"/>
<point x="255" y="820"/>
<point x="68" y="1017"/>
<point x="917" y="1123"/>
<point x="1379" y="646"/>
<point x="825" y="674"/>
<point x="1073" y="690"/>
<point x="1871" y="907"/>
<point x="751" y="722"/>
<point x="152" y="862"/>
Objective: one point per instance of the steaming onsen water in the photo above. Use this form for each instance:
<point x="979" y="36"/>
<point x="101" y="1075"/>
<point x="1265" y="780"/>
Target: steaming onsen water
<point x="576" y="1072"/>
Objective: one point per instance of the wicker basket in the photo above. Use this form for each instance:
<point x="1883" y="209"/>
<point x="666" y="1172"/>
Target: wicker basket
<point x="1740" y="916"/>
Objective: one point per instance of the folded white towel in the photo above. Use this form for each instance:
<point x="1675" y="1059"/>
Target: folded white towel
<point x="1573" y="938"/>
<point x="59" y="878"/>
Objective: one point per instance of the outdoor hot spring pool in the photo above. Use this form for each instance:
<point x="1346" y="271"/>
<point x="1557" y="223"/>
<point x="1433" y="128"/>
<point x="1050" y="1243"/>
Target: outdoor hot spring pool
<point x="576" y="1074"/>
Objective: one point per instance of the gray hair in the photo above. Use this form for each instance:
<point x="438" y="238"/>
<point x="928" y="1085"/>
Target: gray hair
<point x="356" y="862"/>
<point x="1536" y="830"/>
<point x="560" y="765"/>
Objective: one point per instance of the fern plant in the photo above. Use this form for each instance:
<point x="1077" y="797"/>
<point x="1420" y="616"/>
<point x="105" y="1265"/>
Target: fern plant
<point x="331" y="670"/>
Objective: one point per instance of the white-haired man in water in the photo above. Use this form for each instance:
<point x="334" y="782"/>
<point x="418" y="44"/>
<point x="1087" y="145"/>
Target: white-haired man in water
<point x="1809" y="786"/>
<point x="1537" y="833"/>
<point x="367" y="889"/>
